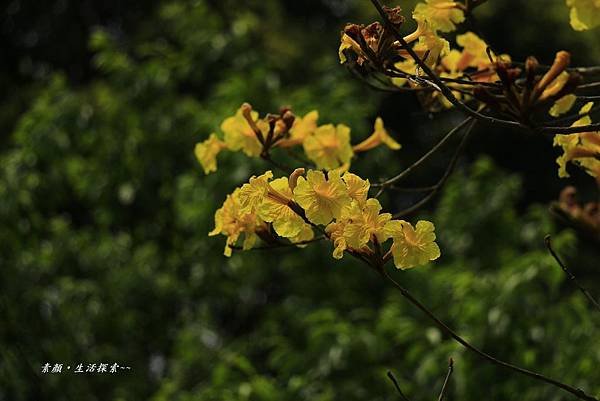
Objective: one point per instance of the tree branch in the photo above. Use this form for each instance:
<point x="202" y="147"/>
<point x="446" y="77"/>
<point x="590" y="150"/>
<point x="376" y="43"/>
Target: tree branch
<point x="425" y="157"/>
<point x="571" y="276"/>
<point x="393" y="379"/>
<point x="447" y="379"/>
<point x="579" y="393"/>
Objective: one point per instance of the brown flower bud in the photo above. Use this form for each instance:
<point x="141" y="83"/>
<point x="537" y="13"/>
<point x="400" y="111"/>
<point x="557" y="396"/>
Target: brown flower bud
<point x="394" y="14"/>
<point x="531" y="66"/>
<point x="293" y="180"/>
<point x="288" y="118"/>
<point x="561" y="62"/>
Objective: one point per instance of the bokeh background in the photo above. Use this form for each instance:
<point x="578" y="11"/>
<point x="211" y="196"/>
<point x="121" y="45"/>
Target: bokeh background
<point x="104" y="215"/>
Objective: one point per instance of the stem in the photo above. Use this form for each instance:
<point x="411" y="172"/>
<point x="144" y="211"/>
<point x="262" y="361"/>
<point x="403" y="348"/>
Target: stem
<point x="447" y="379"/>
<point x="435" y="189"/>
<point x="393" y="379"/>
<point x="425" y="157"/>
<point x="579" y="393"/>
<point x="571" y="276"/>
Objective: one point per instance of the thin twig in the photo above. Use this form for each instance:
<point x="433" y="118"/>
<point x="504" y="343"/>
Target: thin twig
<point x="444" y="177"/>
<point x="571" y="276"/>
<point x="447" y="379"/>
<point x="393" y="379"/>
<point x="588" y="85"/>
<point x="412" y="189"/>
<point x="425" y="157"/>
<point x="579" y="393"/>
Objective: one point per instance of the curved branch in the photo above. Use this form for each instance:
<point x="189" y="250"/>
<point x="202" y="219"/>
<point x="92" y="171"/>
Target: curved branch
<point x="425" y="157"/>
<point x="398" y="389"/>
<point x="447" y="379"/>
<point x="579" y="393"/>
<point x="571" y="276"/>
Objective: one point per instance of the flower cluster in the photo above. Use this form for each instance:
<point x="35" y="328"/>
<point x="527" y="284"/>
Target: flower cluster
<point x="470" y="58"/>
<point x="373" y="48"/>
<point x="582" y="149"/>
<point x="327" y="146"/>
<point x="465" y="68"/>
<point x="334" y="204"/>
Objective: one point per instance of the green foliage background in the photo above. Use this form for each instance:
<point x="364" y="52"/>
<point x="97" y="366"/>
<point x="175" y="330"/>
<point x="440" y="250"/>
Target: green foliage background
<point x="104" y="215"/>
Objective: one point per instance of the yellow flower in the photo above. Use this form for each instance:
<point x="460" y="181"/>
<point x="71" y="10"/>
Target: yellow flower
<point x="474" y="51"/>
<point x="335" y="231"/>
<point x="591" y="166"/>
<point x="306" y="234"/>
<point x="329" y="147"/>
<point x="365" y="222"/>
<point x="303" y="128"/>
<point x="408" y="66"/>
<point x="356" y="187"/>
<point x="581" y="149"/>
<point x="322" y="199"/>
<point x="586" y="108"/>
<point x="412" y="246"/>
<point x="240" y="136"/>
<point x="584" y="112"/>
<point x="379" y="136"/>
<point x="348" y="43"/>
<point x="433" y="46"/>
<point x="206" y="152"/>
<point x="585" y="14"/>
<point x="274" y="209"/>
<point x="451" y="61"/>
<point x="562" y="105"/>
<point x="442" y="15"/>
<point x="252" y="194"/>
<point x="232" y="221"/>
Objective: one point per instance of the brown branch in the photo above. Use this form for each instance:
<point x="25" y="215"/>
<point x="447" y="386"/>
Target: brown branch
<point x="571" y="276"/>
<point x="435" y="189"/>
<point x="579" y="393"/>
<point x="393" y="379"/>
<point x="447" y="379"/>
<point x="423" y="158"/>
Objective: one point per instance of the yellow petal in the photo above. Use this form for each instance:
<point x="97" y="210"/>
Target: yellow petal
<point x="562" y="105"/>
<point x="206" y="153"/>
<point x="253" y="193"/>
<point x="357" y="188"/>
<point x="303" y="128"/>
<point x="379" y="136"/>
<point x="322" y="199"/>
<point x="442" y="15"/>
<point x="329" y="147"/>
<point x="240" y="136"/>
<point x="586" y="108"/>
<point x="585" y="14"/>
<point x="414" y="246"/>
